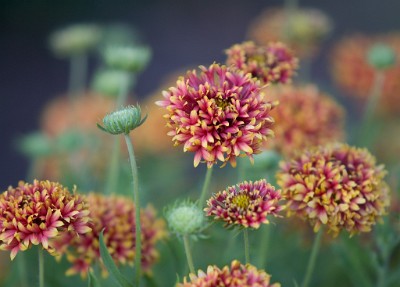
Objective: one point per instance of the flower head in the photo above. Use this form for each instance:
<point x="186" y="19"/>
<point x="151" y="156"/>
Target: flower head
<point x="219" y="114"/>
<point x="35" y="214"/>
<point x="303" y="31"/>
<point x="110" y="82"/>
<point x="337" y="186"/>
<point x="185" y="218"/>
<point x="295" y="128"/>
<point x="234" y="275"/>
<point x="116" y="216"/>
<point x="273" y="63"/>
<point x="127" y="58"/>
<point x="247" y="204"/>
<point x="75" y="39"/>
<point x="123" y="120"/>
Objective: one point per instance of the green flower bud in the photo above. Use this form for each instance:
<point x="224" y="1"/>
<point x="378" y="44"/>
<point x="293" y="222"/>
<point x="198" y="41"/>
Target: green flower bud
<point x="35" y="145"/>
<point x="185" y="218"/>
<point x="76" y="39"/>
<point x="123" y="120"/>
<point x="111" y="82"/>
<point x="381" y="56"/>
<point x="131" y="59"/>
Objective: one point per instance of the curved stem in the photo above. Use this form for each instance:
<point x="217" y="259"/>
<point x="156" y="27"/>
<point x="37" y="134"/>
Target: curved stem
<point x="246" y="245"/>
<point x="206" y="185"/>
<point x="188" y="253"/>
<point x="138" y="233"/>
<point x="313" y="257"/>
<point x="41" y="268"/>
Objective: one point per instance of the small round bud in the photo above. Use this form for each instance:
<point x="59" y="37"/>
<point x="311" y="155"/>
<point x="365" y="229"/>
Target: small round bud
<point x="111" y="82"/>
<point x="185" y="218"/>
<point x="131" y="59"/>
<point x="381" y="56"/>
<point x="35" y="145"/>
<point x="123" y="120"/>
<point x="76" y="39"/>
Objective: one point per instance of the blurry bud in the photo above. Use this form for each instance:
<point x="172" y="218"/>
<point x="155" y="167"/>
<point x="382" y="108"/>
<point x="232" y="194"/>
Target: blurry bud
<point x="131" y="59"/>
<point x="185" y="218"/>
<point x="123" y="120"/>
<point x="76" y="39"/>
<point x="35" y="145"/>
<point x="381" y="56"/>
<point x="111" y="82"/>
<point x="73" y="140"/>
<point x="119" y="34"/>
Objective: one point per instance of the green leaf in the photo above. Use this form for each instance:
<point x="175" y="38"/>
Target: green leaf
<point x="110" y="265"/>
<point x="92" y="280"/>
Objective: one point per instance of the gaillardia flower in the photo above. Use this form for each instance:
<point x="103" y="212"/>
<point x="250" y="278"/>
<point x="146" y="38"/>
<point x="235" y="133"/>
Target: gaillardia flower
<point x="294" y="128"/>
<point x="234" y="275"/>
<point x="246" y="205"/>
<point x="336" y="186"/>
<point x="34" y="214"/>
<point x="273" y="63"/>
<point x="116" y="216"/>
<point x="219" y="114"/>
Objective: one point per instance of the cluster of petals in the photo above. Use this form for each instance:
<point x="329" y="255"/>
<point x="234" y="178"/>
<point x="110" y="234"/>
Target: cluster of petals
<point x="219" y="114"/>
<point x="303" y="31"/>
<point x="273" y="63"/>
<point x="305" y="117"/>
<point x="246" y="204"/>
<point x="352" y="72"/>
<point x="36" y="214"/>
<point x="336" y="186"/>
<point x="116" y="215"/>
<point x="236" y="274"/>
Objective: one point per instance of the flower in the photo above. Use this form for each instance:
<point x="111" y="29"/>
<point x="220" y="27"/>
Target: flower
<point x="234" y="275"/>
<point x="123" y="120"/>
<point x="352" y="72"/>
<point x="247" y="204"/>
<point x="305" y="117"/>
<point x="303" y="31"/>
<point x="218" y="114"/>
<point x="75" y="39"/>
<point x="185" y="218"/>
<point x="110" y="82"/>
<point x="37" y="213"/>
<point x="335" y="185"/>
<point x="273" y="63"/>
<point x="127" y="58"/>
<point x="116" y="215"/>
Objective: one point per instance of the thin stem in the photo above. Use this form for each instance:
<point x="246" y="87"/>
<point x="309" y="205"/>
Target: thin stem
<point x="188" y="253"/>
<point x="123" y="93"/>
<point x="313" y="257"/>
<point x="77" y="76"/>
<point x="246" y="245"/>
<point x="206" y="185"/>
<point x="263" y="250"/>
<point x="41" y="268"/>
<point x="21" y="261"/>
<point x="138" y="247"/>
<point x="113" y="169"/>
<point x="374" y="96"/>
<point x="290" y="8"/>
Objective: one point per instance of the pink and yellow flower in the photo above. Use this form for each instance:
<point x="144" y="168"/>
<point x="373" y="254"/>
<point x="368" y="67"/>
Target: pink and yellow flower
<point x="245" y="205"/>
<point x="35" y="214"/>
<point x="219" y="114"/>
<point x="336" y="186"/>
<point x="234" y="275"/>
<point x="116" y="215"/>
<point x="273" y="63"/>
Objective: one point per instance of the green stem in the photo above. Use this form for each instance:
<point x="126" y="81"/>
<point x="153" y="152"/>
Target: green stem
<point x="290" y="7"/>
<point x="188" y="253"/>
<point x="246" y="245"/>
<point x="77" y="76"/>
<point x="138" y="247"/>
<point x="21" y="261"/>
<point x="263" y="250"/>
<point x="41" y="268"/>
<point x="206" y="186"/>
<point x="313" y="257"/>
<point x="123" y="93"/>
<point x="113" y="170"/>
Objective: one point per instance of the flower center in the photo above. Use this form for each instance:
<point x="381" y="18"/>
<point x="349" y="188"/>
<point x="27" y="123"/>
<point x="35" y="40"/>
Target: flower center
<point x="221" y="103"/>
<point x="241" y="200"/>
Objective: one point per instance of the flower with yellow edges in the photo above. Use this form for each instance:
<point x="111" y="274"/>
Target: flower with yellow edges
<point x="36" y="214"/>
<point x="336" y="186"/>
<point x="245" y="205"/>
<point x="234" y="275"/>
<point x="219" y="114"/>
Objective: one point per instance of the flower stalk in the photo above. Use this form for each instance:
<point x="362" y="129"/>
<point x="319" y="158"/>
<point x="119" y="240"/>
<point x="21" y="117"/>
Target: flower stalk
<point x="313" y="257"/>
<point x="41" y="268"/>
<point x="206" y="185"/>
<point x="188" y="253"/>
<point x="246" y="245"/>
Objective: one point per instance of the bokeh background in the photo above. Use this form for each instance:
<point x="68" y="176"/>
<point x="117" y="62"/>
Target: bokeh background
<point x="181" y="33"/>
